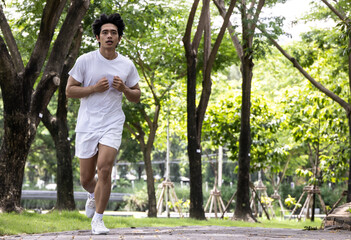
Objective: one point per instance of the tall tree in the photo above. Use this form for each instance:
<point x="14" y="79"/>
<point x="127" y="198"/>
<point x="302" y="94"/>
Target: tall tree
<point x="249" y="12"/>
<point x="152" y="43"/>
<point x="222" y="128"/>
<point x="58" y="128"/>
<point x="195" y="113"/>
<point x="24" y="100"/>
<point x="339" y="12"/>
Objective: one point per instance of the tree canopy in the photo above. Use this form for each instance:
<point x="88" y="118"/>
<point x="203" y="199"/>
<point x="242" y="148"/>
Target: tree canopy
<point x="207" y="80"/>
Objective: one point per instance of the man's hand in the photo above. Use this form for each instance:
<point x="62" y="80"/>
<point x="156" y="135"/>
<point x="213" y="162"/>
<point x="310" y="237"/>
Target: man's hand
<point x="131" y="93"/>
<point x="118" y="84"/>
<point x="102" y="85"/>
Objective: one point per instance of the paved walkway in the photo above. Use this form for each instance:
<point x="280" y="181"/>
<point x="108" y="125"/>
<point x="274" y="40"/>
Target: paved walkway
<point x="192" y="233"/>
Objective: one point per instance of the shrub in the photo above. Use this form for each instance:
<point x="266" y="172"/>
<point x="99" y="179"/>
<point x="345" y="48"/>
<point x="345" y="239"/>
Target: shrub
<point x="137" y="201"/>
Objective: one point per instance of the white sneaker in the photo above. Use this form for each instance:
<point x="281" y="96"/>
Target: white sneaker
<point x="98" y="227"/>
<point x="90" y="207"/>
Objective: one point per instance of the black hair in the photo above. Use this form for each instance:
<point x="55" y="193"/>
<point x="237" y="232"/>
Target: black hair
<point x="115" y="19"/>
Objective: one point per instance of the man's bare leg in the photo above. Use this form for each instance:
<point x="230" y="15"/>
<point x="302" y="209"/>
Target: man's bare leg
<point x="105" y="160"/>
<point x="87" y="173"/>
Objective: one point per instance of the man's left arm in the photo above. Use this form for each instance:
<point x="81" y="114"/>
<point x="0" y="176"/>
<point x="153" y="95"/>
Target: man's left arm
<point x="132" y="94"/>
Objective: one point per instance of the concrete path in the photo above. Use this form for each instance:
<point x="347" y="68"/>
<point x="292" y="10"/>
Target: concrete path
<point x="192" y="233"/>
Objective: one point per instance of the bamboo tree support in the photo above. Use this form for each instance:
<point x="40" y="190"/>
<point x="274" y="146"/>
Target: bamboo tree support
<point x="276" y="186"/>
<point x="276" y="196"/>
<point x="253" y="205"/>
<point x="343" y="194"/>
<point x="216" y="202"/>
<point x="257" y="192"/>
<point x="168" y="187"/>
<point x="310" y="190"/>
<point x="228" y="204"/>
<point x="254" y="194"/>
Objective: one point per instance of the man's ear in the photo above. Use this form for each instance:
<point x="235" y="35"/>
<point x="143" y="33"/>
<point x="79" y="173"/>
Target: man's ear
<point x="97" y="37"/>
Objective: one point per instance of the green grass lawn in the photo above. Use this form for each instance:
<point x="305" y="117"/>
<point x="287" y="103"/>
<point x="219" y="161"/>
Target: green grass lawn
<point x="11" y="223"/>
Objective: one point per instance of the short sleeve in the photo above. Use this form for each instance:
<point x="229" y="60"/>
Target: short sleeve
<point x="77" y="72"/>
<point x="133" y="76"/>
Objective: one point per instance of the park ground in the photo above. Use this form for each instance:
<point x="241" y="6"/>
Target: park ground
<point x="193" y="232"/>
<point x="67" y="225"/>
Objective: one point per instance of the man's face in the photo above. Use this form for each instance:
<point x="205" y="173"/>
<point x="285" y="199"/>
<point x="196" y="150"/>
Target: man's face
<point x="109" y="37"/>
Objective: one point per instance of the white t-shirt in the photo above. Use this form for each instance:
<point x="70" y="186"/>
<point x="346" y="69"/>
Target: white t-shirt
<point x="102" y="111"/>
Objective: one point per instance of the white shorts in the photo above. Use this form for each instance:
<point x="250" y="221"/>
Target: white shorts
<point x="87" y="142"/>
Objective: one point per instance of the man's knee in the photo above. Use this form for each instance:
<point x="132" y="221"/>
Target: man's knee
<point x="104" y="173"/>
<point x="86" y="180"/>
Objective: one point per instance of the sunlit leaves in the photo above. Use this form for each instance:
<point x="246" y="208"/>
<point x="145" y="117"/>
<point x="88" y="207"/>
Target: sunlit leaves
<point x="25" y="24"/>
<point x="222" y="127"/>
<point x="316" y="121"/>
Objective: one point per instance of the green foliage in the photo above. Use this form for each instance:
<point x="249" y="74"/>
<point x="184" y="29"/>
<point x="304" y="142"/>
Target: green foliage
<point x="331" y="199"/>
<point x="305" y="56"/>
<point x="153" y="41"/>
<point x="182" y="192"/>
<point x="304" y="173"/>
<point x="137" y="201"/>
<point x="318" y="45"/>
<point x="183" y="205"/>
<point x="122" y="183"/>
<point x="290" y="202"/>
<point x="222" y="128"/>
<point x="41" y="162"/>
<point x="317" y="117"/>
<point x="266" y="200"/>
<point x="291" y="194"/>
<point x="25" y="20"/>
<point x="130" y="149"/>
<point x="315" y="121"/>
<point x="322" y="12"/>
<point x="25" y="29"/>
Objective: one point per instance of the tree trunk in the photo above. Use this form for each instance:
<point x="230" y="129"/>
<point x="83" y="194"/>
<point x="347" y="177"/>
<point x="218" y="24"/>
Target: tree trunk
<point x="194" y="148"/>
<point x="13" y="154"/>
<point x="196" y="204"/>
<point x="59" y="132"/>
<point x="150" y="184"/>
<point x="23" y="107"/>
<point x="193" y="124"/>
<point x="65" y="192"/>
<point x="348" y="113"/>
<point x="242" y="207"/>
<point x="196" y="115"/>
<point x="58" y="129"/>
<point x="137" y="130"/>
<point x="348" y="196"/>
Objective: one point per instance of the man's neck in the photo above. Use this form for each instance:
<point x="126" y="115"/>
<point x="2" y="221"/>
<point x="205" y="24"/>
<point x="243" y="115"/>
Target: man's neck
<point x="108" y="53"/>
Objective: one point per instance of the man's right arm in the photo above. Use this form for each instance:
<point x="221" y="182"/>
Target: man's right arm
<point x="75" y="90"/>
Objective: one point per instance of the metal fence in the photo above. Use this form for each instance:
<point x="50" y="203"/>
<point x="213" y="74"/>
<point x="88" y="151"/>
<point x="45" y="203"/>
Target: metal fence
<point x="78" y="196"/>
